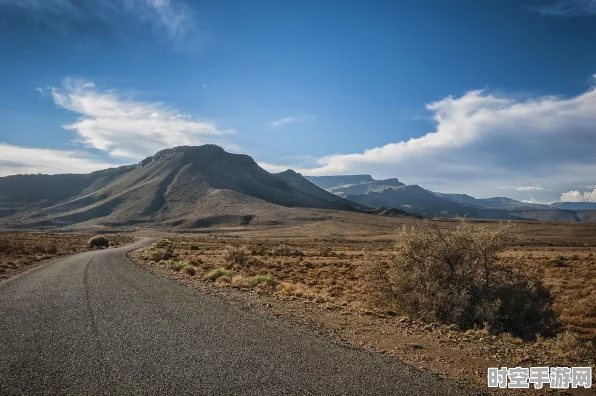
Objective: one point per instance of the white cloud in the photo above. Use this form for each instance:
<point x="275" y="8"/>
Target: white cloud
<point x="522" y="188"/>
<point x="123" y="127"/>
<point x="569" y="8"/>
<point x="576" y="196"/>
<point x="25" y="160"/>
<point x="290" y="120"/>
<point x="535" y="201"/>
<point x="530" y="188"/>
<point x="173" y="16"/>
<point x="483" y="140"/>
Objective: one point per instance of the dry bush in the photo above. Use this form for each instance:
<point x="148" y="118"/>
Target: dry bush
<point x="234" y="257"/>
<point x="456" y="275"/>
<point x="190" y="270"/>
<point x="250" y="282"/>
<point x="568" y="348"/>
<point x="286" y="251"/>
<point x="154" y="254"/>
<point x="98" y="242"/>
<point x="164" y="243"/>
<point x="179" y="265"/>
<point x="259" y="250"/>
<point x="326" y="251"/>
<point x="219" y="273"/>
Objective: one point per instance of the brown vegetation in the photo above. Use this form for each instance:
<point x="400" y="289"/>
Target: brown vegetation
<point x="21" y="251"/>
<point x="457" y="275"/>
<point x="336" y="271"/>
<point x="98" y="241"/>
<point x="293" y="276"/>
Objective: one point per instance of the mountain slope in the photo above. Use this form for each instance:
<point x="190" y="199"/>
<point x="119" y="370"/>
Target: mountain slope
<point x="492" y="203"/>
<point x="329" y="182"/>
<point x="415" y="199"/>
<point x="574" y="205"/>
<point x="21" y="192"/>
<point x="364" y="188"/>
<point x="303" y="184"/>
<point x="182" y="187"/>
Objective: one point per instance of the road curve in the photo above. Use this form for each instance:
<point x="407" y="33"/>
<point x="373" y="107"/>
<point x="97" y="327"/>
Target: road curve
<point x="95" y="324"/>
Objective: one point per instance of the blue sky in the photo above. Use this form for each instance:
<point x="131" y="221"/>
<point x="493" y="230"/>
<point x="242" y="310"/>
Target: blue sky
<point x="490" y="98"/>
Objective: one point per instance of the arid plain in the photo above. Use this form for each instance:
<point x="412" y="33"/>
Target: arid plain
<point x="314" y="274"/>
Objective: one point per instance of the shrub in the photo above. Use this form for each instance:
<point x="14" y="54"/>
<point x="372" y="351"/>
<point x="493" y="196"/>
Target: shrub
<point x="457" y="276"/>
<point x="285" y="250"/>
<point x="259" y="250"/>
<point x="234" y="257"/>
<point x="219" y="273"/>
<point x="568" y="347"/>
<point x="190" y="270"/>
<point x="154" y="254"/>
<point x="178" y="265"/>
<point x="51" y="249"/>
<point x="557" y="262"/>
<point x="167" y="254"/>
<point x="98" y="242"/>
<point x="164" y="243"/>
<point x="327" y="252"/>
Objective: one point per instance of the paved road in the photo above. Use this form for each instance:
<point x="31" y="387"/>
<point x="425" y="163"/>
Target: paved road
<point x="94" y="324"/>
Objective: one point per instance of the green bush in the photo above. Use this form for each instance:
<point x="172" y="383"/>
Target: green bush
<point x="218" y="273"/>
<point x="179" y="265"/>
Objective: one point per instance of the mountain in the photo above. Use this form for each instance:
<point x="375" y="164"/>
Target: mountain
<point x="492" y="203"/>
<point x="353" y="184"/>
<point x="204" y="186"/>
<point x="415" y="199"/>
<point x="184" y="187"/>
<point x="303" y="184"/>
<point x="392" y="193"/>
<point x="329" y="182"/>
<point x="574" y="205"/>
<point x="364" y="188"/>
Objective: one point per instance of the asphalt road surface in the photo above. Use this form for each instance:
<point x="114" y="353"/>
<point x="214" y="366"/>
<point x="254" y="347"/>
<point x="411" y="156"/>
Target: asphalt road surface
<point x="96" y="324"/>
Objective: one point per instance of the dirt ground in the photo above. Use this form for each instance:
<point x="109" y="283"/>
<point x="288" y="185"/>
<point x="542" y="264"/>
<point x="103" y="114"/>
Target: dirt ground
<point x="313" y="274"/>
<point x="320" y="282"/>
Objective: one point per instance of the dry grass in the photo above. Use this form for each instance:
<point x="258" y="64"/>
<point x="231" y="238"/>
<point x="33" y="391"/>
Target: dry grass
<point x="21" y="251"/>
<point x="333" y="271"/>
<point x="283" y="274"/>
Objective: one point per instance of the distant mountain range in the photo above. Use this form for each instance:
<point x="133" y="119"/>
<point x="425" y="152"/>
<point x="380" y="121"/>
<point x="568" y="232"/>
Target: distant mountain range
<point x="355" y="184"/>
<point x="205" y="186"/>
<point x="364" y="190"/>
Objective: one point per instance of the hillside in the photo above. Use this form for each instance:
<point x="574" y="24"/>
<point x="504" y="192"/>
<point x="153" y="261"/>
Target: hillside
<point x="574" y="205"/>
<point x="303" y="184"/>
<point x="492" y="203"/>
<point x="183" y="187"/>
<point x="364" y="188"/>
<point x="330" y="182"/>
<point x="414" y="199"/>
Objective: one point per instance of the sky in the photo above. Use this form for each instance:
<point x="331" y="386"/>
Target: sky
<point x="483" y="97"/>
